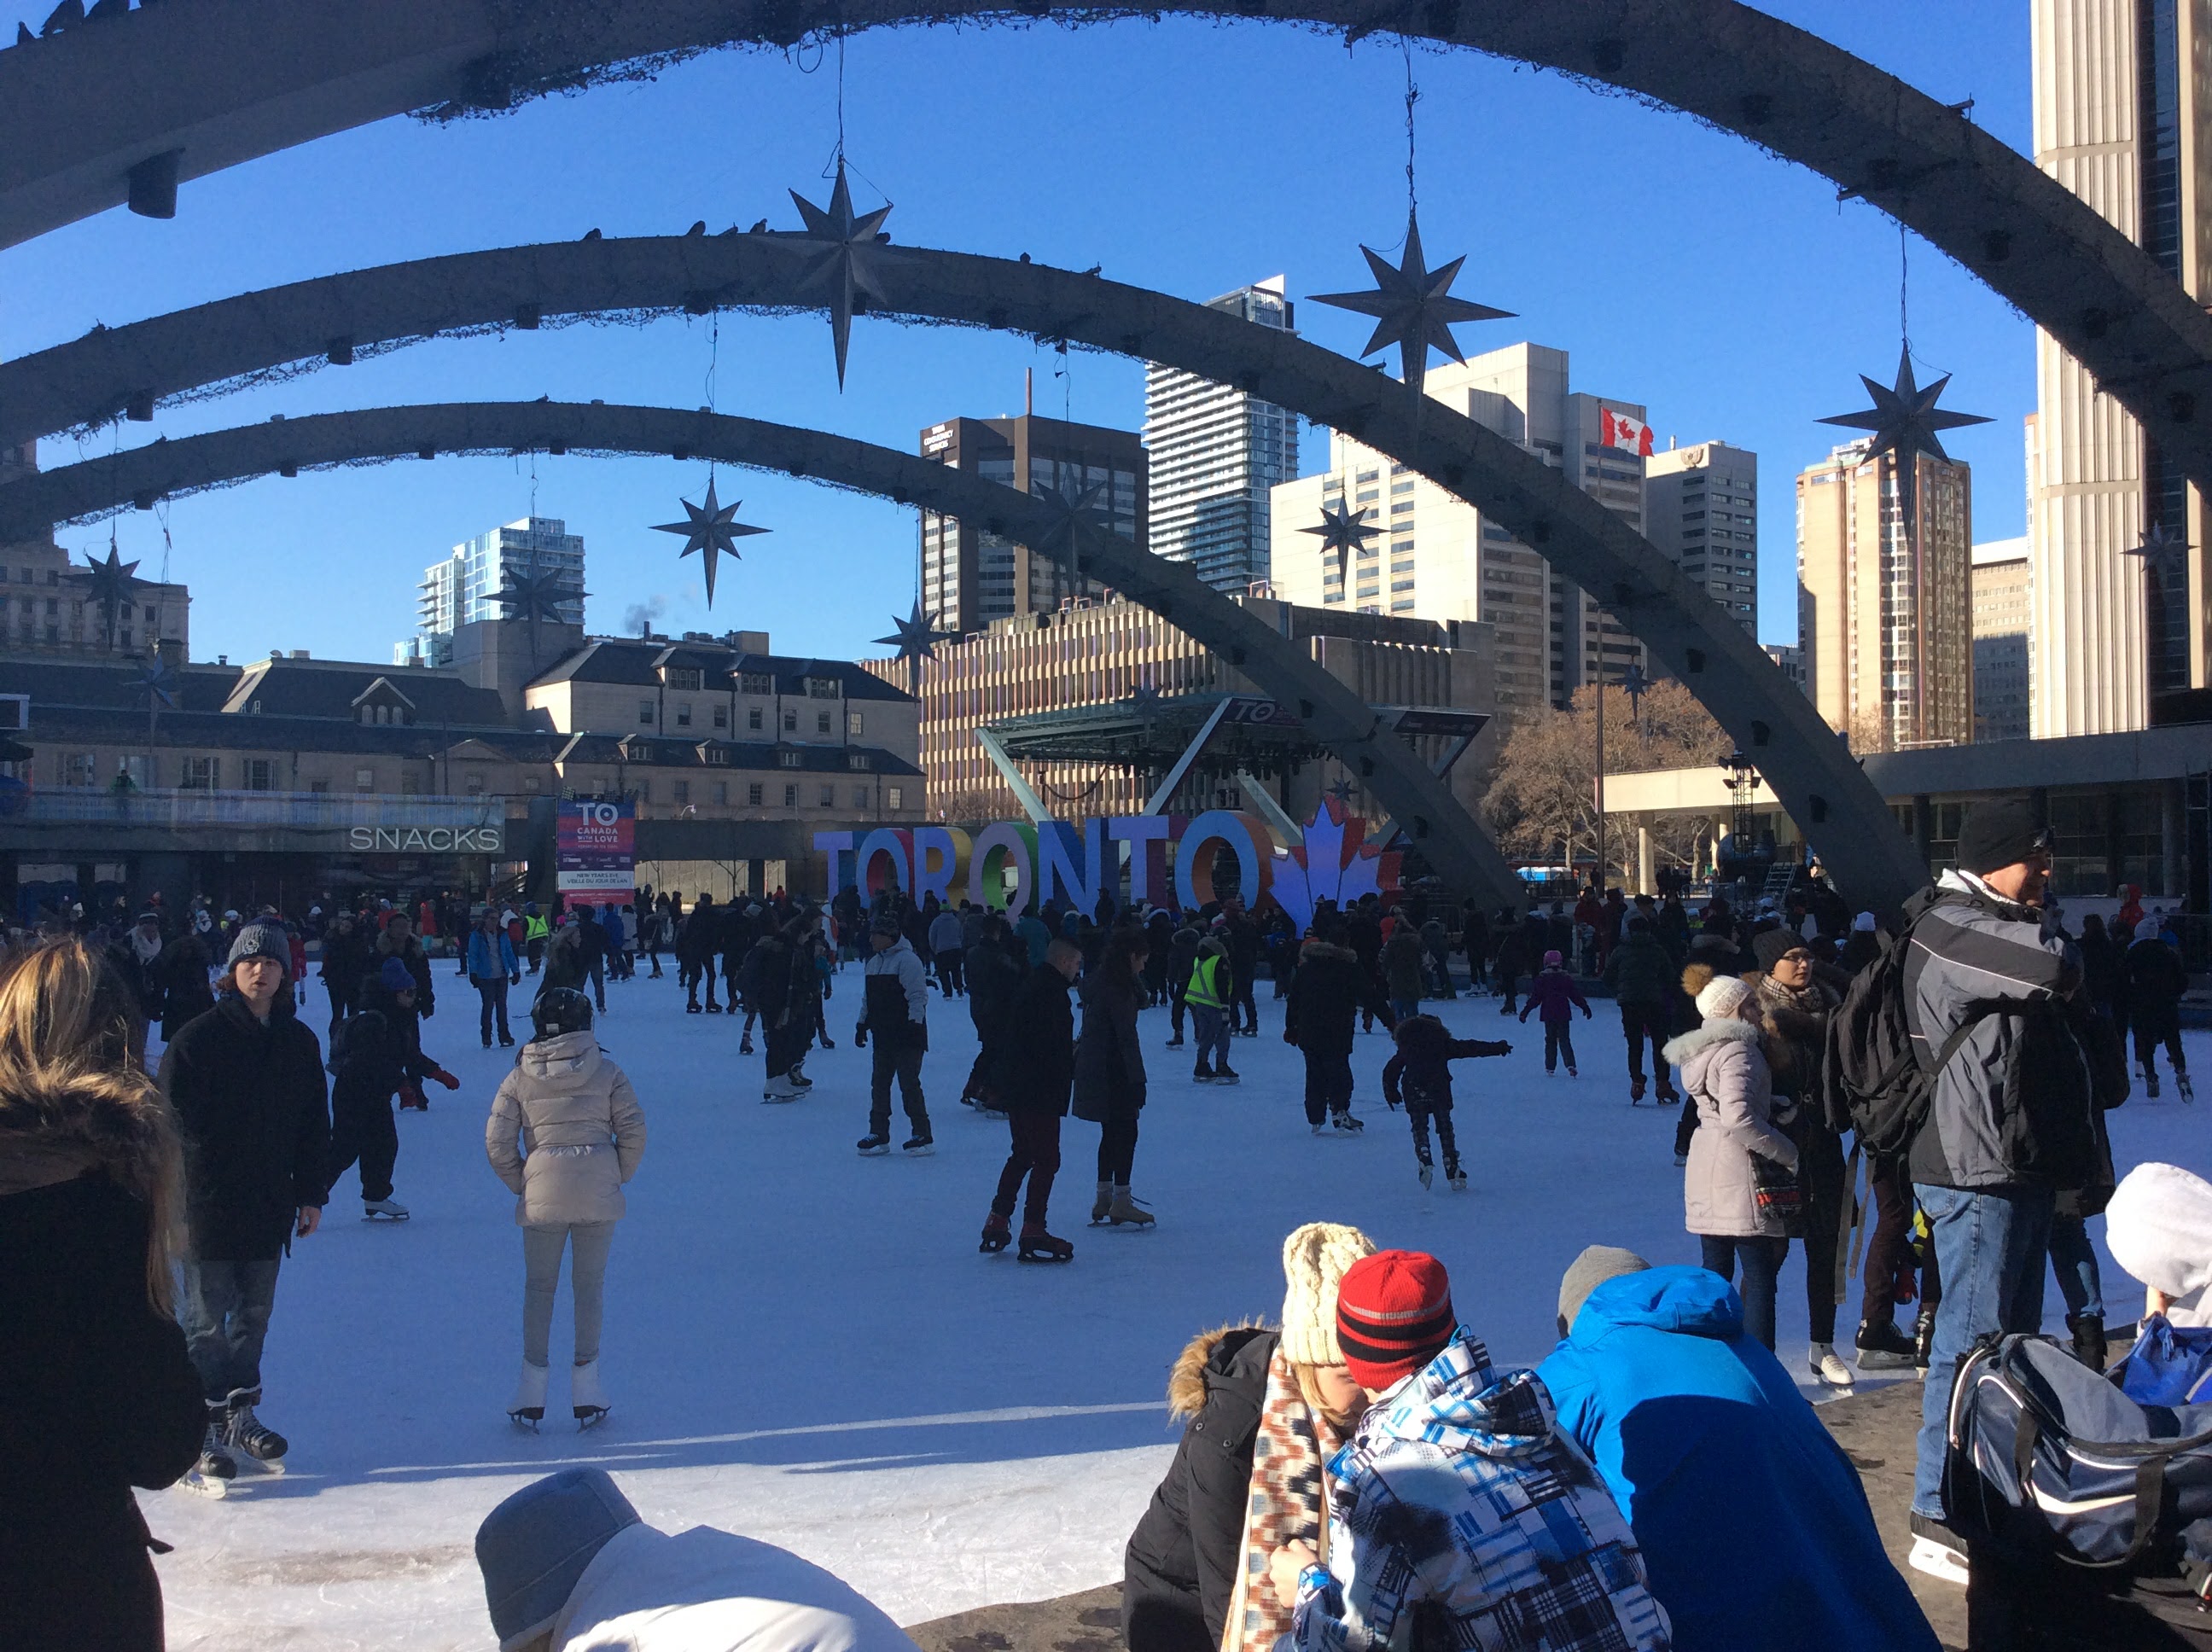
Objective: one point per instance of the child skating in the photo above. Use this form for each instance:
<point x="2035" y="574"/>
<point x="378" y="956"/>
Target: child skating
<point x="566" y="1132"/>
<point x="1420" y="1074"/>
<point x="1553" y="993"/>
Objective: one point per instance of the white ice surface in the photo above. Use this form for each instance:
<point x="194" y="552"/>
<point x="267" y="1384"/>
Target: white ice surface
<point x="807" y="1346"/>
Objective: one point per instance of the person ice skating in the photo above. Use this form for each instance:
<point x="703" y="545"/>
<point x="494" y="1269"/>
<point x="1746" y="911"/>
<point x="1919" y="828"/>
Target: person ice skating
<point x="1711" y="1451"/>
<point x="1555" y="998"/>
<point x="569" y="1566"/>
<point x="493" y="969"/>
<point x="1327" y="994"/>
<point x="101" y="1393"/>
<point x="994" y="976"/>
<point x="565" y="1135"/>
<point x="536" y="932"/>
<point x="1459" y="1500"/>
<point x="1401" y="960"/>
<point x="245" y="1083"/>
<point x="948" y="940"/>
<point x="378" y="1055"/>
<point x="1420" y="1074"/>
<point x="695" y="956"/>
<point x="399" y="941"/>
<point x="2156" y="979"/>
<point x="1263" y="1411"/>
<point x="1642" y="973"/>
<point x="1726" y="1078"/>
<point x="346" y="963"/>
<point x="1035" y="1066"/>
<point x="767" y="976"/>
<point x="895" y="1007"/>
<point x="1209" y="992"/>
<point x="1183" y="958"/>
<point x="182" y="970"/>
<point x="1110" y="1075"/>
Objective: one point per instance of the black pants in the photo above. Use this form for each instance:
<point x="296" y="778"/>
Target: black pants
<point x="1242" y="999"/>
<point x="729" y="981"/>
<point x="1117" y="1149"/>
<point x="949" y="974"/>
<point x="902" y="1061"/>
<point x="1821" y="1168"/>
<point x="1508" y="989"/>
<point x="653" y="952"/>
<point x="1419" y="1110"/>
<point x="1559" y="1043"/>
<point x="1762" y="1262"/>
<point x="340" y="1003"/>
<point x="537" y="949"/>
<point x="1329" y="1083"/>
<point x="1037" y="1157"/>
<point x="1440" y="960"/>
<point x="84" y="1592"/>
<point x="2156" y="1027"/>
<point x="783" y="1044"/>
<point x="1889" y="1245"/>
<point x="1639" y="1022"/>
<point x="492" y="993"/>
<point x="1175" y="1008"/>
<point x="361" y="1128"/>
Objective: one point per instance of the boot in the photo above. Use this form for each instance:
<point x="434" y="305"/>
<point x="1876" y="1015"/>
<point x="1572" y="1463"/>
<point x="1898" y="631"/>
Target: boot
<point x="1883" y="1347"/>
<point x="2088" y="1331"/>
<point x="2181" y="1086"/>
<point x="1202" y="1074"/>
<point x="585" y="1398"/>
<point x="1635" y="1089"/>
<point x="1103" y="1203"/>
<point x="1126" y="1208"/>
<point x="2150" y="1082"/>
<point x="216" y="1464"/>
<point x="1224" y="1074"/>
<point x="998" y="1233"/>
<point x="1923" y="1340"/>
<point x="1039" y="1246"/>
<point x="248" y="1437"/>
<point x="529" y="1403"/>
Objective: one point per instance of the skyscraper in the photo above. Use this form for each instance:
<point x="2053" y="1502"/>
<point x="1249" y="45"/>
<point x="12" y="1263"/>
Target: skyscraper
<point x="2001" y="648"/>
<point x="1887" y="639"/>
<point x="1215" y="454"/>
<point x="465" y="586"/>
<point x="2120" y="96"/>
<point x="970" y="576"/>
<point x="1701" y="506"/>
<point x="1443" y="561"/>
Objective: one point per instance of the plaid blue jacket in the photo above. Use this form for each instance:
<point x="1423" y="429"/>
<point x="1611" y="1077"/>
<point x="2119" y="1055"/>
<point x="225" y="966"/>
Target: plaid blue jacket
<point x="1458" y="1508"/>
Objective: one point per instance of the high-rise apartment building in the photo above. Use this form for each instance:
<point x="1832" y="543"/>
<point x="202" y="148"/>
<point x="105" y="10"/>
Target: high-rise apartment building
<point x="1701" y="507"/>
<point x="970" y="576"/>
<point x="1215" y="454"/>
<point x="1888" y="639"/>
<point x="2002" y="670"/>
<point x="465" y="588"/>
<point x="1434" y="557"/>
<point x="2121" y="99"/>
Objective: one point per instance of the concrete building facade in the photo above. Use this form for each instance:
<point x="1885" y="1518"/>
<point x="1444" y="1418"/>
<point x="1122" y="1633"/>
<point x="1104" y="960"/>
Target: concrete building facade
<point x="46" y="608"/>
<point x="1701" y="507"/>
<point x="2003" y="671"/>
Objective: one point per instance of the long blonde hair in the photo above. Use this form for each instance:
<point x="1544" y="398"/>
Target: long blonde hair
<point x="72" y="1059"/>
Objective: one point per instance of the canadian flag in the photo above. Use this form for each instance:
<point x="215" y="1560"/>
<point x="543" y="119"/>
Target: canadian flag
<point x="1619" y="430"/>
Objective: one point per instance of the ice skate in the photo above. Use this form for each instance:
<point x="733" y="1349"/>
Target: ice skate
<point x="1668" y="1095"/>
<point x="693" y="1009"/>
<point x="1681" y="1161"/>
<point x="998" y="1234"/>
<point x="918" y="1145"/>
<point x="1201" y="1074"/>
<point x="1103" y="1203"/>
<point x="780" y="1088"/>
<point x="383" y="1210"/>
<point x="1456" y="1176"/>
<point x="1224" y="1074"/>
<point x="2087" y="1330"/>
<point x="874" y="1146"/>
<point x="1126" y="1209"/>
<point x="506" y="1041"/>
<point x="1572" y="1073"/>
<point x="1635" y="1089"/>
<point x="712" y="1008"/>
<point x="2150" y="1081"/>
<point x="1175" y="1043"/>
<point x="1936" y="1549"/>
<point x="745" y="1044"/>
<point x="2181" y="1087"/>
<point x="1427" y="1174"/>
<point x="1883" y="1347"/>
<point x="1344" y="1124"/>
<point x="1830" y="1369"/>
<point x="211" y="1475"/>
<point x="1038" y="1246"/>
<point x="528" y="1407"/>
<point x="249" y="1437"/>
<point x="585" y="1399"/>
<point x="796" y="1076"/>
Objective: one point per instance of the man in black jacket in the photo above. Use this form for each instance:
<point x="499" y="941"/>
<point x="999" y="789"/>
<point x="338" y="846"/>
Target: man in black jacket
<point x="1035" y="1066"/>
<point x="2156" y="982"/>
<point x="1331" y="988"/>
<point x="245" y="1082"/>
<point x="378" y="1051"/>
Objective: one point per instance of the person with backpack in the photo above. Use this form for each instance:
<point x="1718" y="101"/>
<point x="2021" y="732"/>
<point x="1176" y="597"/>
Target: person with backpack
<point x="2156" y="982"/>
<point x="1555" y="997"/>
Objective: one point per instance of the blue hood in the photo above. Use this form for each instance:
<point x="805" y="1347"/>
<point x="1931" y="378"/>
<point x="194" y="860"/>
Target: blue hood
<point x="1694" y="1300"/>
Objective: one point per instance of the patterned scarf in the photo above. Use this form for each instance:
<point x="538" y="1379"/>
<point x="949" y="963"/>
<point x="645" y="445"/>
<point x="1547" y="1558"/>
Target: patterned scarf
<point x="1293" y="1445"/>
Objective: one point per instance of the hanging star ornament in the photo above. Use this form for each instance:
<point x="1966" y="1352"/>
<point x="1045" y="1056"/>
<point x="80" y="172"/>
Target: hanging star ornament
<point x="534" y="597"/>
<point x="916" y="639"/>
<point x="1077" y="514"/>
<point x="2163" y="551"/>
<point x="1905" y="419"/>
<point x="1344" y="531"/>
<point x="852" y="263"/>
<point x="111" y="582"/>
<point x="1411" y="305"/>
<point x="712" y="529"/>
<point x="159" y="684"/>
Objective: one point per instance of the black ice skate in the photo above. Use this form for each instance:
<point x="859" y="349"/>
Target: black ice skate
<point x="712" y="1008"/>
<point x="1038" y="1246"/>
<point x="2150" y="1082"/>
<point x="1224" y="1074"/>
<point x="998" y="1234"/>
<point x="2181" y="1087"/>
<point x="1456" y="1176"/>
<point x="1883" y="1347"/>
<point x="1635" y="1089"/>
<point x="211" y="1475"/>
<point x="745" y="1044"/>
<point x="251" y="1438"/>
<point x="1202" y="1074"/>
<point x="874" y="1146"/>
<point x="1345" y="1125"/>
<point x="918" y="1145"/>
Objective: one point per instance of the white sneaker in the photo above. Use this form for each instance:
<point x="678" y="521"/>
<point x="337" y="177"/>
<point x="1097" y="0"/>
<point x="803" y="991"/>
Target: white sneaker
<point x="585" y="1398"/>
<point x="529" y="1404"/>
<point x="1829" y="1368"/>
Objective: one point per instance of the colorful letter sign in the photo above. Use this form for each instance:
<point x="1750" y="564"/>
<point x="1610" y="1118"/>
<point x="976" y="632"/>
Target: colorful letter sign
<point x="595" y="848"/>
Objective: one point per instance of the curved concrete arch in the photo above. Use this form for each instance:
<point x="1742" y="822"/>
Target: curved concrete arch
<point x="1812" y="773"/>
<point x="242" y="78"/>
<point x="1400" y="779"/>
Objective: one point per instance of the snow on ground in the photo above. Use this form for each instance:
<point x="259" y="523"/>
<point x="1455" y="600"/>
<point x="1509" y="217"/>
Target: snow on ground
<point x="807" y="1346"/>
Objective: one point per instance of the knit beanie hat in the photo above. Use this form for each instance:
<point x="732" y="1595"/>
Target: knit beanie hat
<point x="2001" y="833"/>
<point x="1394" y="1314"/>
<point x="2159" y="1224"/>
<point x="1553" y="961"/>
<point x="262" y="941"/>
<point x="1769" y="944"/>
<point x="1864" y="924"/>
<point x="1597" y="1264"/>
<point x="535" y="1546"/>
<point x="395" y="977"/>
<point x="1315" y="1258"/>
<point x="1723" y="995"/>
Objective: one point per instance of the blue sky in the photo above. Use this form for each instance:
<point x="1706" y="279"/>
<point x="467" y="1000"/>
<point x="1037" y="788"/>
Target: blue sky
<point x="1728" y="291"/>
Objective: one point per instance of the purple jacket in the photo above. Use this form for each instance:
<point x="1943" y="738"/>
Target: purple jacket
<point x="1553" y="992"/>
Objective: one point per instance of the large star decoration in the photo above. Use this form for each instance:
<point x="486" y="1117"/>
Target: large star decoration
<point x="534" y="596"/>
<point x="112" y="581"/>
<point x="1077" y="514"/>
<point x="916" y="639"/>
<point x="2161" y="551"/>
<point x="1344" y="531"/>
<point x="851" y="262"/>
<point x="159" y="684"/>
<point x="1635" y="685"/>
<point x="1905" y="419"/>
<point x="712" y="529"/>
<point x="1411" y="305"/>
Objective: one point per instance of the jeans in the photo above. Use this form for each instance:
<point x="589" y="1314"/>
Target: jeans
<point x="902" y="1061"/>
<point x="1035" y="1157"/>
<point x="1643" y="1022"/>
<point x="1419" y="1110"/>
<point x="2074" y="1259"/>
<point x="361" y="1128"/>
<point x="226" y="1319"/>
<point x="588" y="1279"/>
<point x="1329" y="1083"/>
<point x="1762" y="1262"/>
<point x="1212" y="1032"/>
<point x="1117" y="1150"/>
<point x="1558" y="1045"/>
<point x="1404" y="1008"/>
<point x="1991" y="1243"/>
<point x="492" y="993"/>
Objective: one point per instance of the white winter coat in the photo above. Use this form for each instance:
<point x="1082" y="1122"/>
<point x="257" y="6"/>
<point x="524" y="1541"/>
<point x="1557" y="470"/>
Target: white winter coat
<point x="566" y="1132"/>
<point x="2159" y="1224"/>
<point x="1725" y="1073"/>
<point x="706" y="1590"/>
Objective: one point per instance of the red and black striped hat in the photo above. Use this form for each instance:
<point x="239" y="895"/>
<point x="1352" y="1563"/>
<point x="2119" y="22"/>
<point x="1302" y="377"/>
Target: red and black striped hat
<point x="1394" y="1314"/>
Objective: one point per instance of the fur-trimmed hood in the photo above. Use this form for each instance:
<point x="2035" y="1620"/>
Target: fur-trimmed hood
<point x="57" y="1129"/>
<point x="1187" y="1383"/>
<point x="1728" y="1029"/>
<point x="1321" y="948"/>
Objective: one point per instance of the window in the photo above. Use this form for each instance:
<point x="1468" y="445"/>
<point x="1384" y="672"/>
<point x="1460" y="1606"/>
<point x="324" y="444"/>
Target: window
<point x="822" y="722"/>
<point x="318" y="786"/>
<point x="790" y="721"/>
<point x="205" y="773"/>
<point x="787" y="759"/>
<point x="791" y="797"/>
<point x="721" y="792"/>
<point x="645" y="713"/>
<point x="78" y="769"/>
<point x="260" y="775"/>
<point x="753" y="718"/>
<point x="853" y="729"/>
<point x="721" y="717"/>
<point x="821" y="688"/>
<point x="686" y="676"/>
<point x="684" y="715"/>
<point x="860" y="797"/>
<point x="828" y="796"/>
<point x="714" y="754"/>
<point x="894" y="797"/>
<point x="364" y="780"/>
<point x="757" y="683"/>
<point x="753" y="794"/>
<point x="680" y="791"/>
<point x="859" y="760"/>
<point x="472" y="783"/>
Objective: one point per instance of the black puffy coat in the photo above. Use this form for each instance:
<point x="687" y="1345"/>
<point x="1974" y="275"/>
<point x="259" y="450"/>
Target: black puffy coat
<point x="411" y="953"/>
<point x="182" y="971"/>
<point x="1179" y="1571"/>
<point x="1327" y="994"/>
<point x="1183" y="953"/>
<point x="379" y="1049"/>
<point x="252" y="1105"/>
<point x="1036" y="1045"/>
<point x="1109" y="1061"/>
<point x="994" y="978"/>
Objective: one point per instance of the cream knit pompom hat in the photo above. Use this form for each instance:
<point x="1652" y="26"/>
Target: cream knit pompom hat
<point x="1315" y="1258"/>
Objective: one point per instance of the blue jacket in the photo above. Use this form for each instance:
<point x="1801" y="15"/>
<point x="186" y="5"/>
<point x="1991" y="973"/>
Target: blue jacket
<point x="483" y="964"/>
<point x="1754" y="1529"/>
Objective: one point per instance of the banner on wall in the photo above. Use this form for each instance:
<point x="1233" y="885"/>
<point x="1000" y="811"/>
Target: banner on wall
<point x="595" y="848"/>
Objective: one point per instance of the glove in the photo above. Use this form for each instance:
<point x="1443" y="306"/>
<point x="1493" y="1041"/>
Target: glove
<point x="514" y="979"/>
<point x="445" y="1078"/>
<point x="1586" y="1015"/>
<point x="860" y="1034"/>
<point x="1290" y="1036"/>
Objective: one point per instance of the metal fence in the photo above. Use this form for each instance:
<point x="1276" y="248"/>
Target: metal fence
<point x="184" y="809"/>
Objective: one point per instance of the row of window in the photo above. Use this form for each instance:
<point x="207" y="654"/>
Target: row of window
<point x="855" y="721"/>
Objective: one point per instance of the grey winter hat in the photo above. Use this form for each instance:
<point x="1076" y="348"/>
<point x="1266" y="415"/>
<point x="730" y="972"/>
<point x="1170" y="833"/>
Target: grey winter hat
<point x="1590" y="1270"/>
<point x="261" y="941"/>
<point x="534" y="1548"/>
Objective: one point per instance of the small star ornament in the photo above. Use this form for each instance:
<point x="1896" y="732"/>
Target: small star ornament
<point x="1344" y="531"/>
<point x="1342" y="792"/>
<point x="1412" y="305"/>
<point x="712" y="529"/>
<point x="2163" y="551"/>
<point x="159" y="684"/>
<point x="916" y="639"/>
<point x="851" y="263"/>
<point x="1905" y="419"/>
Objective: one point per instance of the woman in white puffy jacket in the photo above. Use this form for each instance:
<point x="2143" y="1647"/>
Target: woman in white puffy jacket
<point x="566" y="1132"/>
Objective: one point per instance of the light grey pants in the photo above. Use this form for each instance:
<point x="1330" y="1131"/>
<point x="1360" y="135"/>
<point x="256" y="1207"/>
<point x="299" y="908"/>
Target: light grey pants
<point x="587" y="1277"/>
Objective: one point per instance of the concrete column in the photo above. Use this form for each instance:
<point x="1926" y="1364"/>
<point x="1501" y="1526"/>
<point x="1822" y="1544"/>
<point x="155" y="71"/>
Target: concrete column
<point x="1646" y="881"/>
<point x="2173" y="839"/>
<point x="1924" y="823"/>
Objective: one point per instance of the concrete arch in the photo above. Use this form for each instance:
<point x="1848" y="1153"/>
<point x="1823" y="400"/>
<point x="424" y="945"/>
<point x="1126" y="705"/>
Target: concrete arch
<point x="243" y="78"/>
<point x="1400" y="779"/>
<point x="1814" y="775"/>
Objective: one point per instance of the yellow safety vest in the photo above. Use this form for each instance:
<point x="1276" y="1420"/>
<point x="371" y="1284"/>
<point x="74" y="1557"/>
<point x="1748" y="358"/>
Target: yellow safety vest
<point x="1206" y="987"/>
<point x="533" y="929"/>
